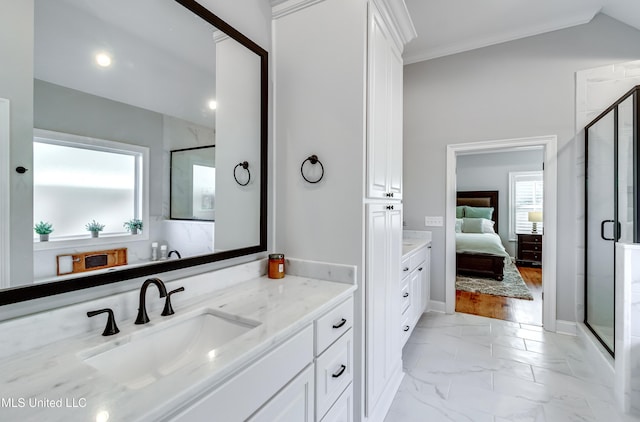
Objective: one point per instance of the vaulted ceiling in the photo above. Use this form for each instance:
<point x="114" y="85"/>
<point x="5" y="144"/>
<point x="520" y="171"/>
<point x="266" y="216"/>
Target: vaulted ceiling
<point x="447" y="27"/>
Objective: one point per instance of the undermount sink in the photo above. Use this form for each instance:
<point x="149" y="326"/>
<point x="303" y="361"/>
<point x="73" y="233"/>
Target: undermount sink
<point x="154" y="352"/>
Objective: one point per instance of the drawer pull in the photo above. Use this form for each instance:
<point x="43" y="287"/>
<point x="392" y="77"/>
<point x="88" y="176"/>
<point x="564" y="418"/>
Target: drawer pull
<point x="340" y="324"/>
<point x="406" y="328"/>
<point x="340" y="371"/>
<point x="406" y="294"/>
<point x="405" y="269"/>
<point x="420" y="269"/>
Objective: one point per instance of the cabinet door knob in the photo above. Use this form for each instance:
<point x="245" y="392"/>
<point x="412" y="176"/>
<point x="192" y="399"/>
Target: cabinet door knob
<point x="340" y="324"/>
<point x="340" y="371"/>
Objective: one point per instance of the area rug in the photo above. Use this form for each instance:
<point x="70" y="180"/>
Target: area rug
<point x="511" y="286"/>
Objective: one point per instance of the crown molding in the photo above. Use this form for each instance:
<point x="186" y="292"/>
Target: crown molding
<point x="398" y="19"/>
<point x="280" y="8"/>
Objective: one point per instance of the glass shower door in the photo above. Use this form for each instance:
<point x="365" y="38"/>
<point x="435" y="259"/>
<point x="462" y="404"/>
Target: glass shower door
<point x="601" y="229"/>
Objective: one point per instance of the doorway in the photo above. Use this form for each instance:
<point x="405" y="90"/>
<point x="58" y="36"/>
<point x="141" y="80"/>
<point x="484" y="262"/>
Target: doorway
<point x="511" y="183"/>
<point x="549" y="145"/>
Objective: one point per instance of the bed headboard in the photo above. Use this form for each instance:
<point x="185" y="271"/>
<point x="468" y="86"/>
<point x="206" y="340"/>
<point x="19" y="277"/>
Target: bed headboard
<point x="480" y="198"/>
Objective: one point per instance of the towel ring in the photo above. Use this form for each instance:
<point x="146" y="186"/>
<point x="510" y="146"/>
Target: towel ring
<point x="244" y="165"/>
<point x="313" y="159"/>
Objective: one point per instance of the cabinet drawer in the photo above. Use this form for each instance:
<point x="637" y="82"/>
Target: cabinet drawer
<point x="405" y="295"/>
<point x="342" y="409"/>
<point x="333" y="324"/>
<point x="529" y="238"/>
<point x="418" y="258"/>
<point x="405" y="328"/>
<point x="535" y="247"/>
<point x="334" y="372"/>
<point x="531" y="256"/>
<point x="405" y="266"/>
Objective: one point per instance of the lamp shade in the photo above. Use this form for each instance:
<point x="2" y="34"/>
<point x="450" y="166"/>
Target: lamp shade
<point x="535" y="216"/>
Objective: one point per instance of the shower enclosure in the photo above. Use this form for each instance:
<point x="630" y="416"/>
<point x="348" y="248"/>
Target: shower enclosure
<point x="611" y="207"/>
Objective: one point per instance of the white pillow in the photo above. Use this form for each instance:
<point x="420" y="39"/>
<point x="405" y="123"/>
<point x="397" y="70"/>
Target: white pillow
<point x="477" y="225"/>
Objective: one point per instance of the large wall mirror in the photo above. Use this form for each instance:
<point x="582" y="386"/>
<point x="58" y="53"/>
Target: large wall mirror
<point x="118" y="85"/>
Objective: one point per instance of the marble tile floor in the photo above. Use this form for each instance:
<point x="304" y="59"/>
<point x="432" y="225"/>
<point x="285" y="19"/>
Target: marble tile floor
<point x="468" y="368"/>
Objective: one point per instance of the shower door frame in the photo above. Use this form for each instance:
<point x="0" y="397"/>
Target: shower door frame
<point x="635" y="92"/>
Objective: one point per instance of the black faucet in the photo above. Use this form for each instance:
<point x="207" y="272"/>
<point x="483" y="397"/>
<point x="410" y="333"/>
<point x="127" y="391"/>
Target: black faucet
<point x="143" y="318"/>
<point x="172" y="252"/>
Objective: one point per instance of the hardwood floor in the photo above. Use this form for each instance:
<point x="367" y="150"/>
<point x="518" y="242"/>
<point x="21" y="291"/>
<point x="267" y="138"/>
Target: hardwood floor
<point x="506" y="308"/>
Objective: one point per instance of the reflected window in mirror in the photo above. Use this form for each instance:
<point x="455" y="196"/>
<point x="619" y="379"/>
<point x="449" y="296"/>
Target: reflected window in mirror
<point x="78" y="180"/>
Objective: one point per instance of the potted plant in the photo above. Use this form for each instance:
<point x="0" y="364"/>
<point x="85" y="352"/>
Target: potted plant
<point x="134" y="225"/>
<point x="95" y="228"/>
<point x="43" y="229"/>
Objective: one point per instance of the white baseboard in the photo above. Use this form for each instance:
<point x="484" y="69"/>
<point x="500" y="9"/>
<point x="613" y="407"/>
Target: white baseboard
<point x="386" y="399"/>
<point x="566" y="327"/>
<point x="436" y="306"/>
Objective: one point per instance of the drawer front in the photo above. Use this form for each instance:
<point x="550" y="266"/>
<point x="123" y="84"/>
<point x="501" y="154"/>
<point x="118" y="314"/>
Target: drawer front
<point x="534" y="247"/>
<point x="531" y="256"/>
<point x="342" y="409"/>
<point x="334" y="372"/>
<point x="332" y="325"/>
<point x="528" y="238"/>
<point x="405" y="295"/>
<point x="418" y="258"/>
<point x="405" y="328"/>
<point x="405" y="266"/>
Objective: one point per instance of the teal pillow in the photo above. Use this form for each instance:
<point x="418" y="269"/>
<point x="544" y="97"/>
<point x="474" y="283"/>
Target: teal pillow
<point x="478" y="212"/>
<point x="472" y="225"/>
<point x="460" y="211"/>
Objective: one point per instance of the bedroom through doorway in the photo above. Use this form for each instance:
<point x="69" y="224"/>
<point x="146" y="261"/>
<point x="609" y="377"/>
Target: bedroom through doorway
<point x="498" y="197"/>
<point x="498" y="252"/>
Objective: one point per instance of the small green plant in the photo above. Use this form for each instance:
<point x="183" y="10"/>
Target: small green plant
<point x="133" y="225"/>
<point x="43" y="228"/>
<point x="94" y="226"/>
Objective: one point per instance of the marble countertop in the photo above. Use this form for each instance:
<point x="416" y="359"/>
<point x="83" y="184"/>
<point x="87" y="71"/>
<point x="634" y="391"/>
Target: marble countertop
<point x="54" y="384"/>
<point x="414" y="240"/>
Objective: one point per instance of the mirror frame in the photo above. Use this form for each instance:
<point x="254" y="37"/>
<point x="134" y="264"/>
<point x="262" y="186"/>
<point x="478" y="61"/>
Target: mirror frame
<point x="35" y="291"/>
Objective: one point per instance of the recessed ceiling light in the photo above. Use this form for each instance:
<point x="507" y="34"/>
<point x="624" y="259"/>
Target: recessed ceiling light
<point x="213" y="104"/>
<point x="103" y="59"/>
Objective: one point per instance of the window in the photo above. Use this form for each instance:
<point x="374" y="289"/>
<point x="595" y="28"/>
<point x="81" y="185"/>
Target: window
<point x="77" y="180"/>
<point x="525" y="195"/>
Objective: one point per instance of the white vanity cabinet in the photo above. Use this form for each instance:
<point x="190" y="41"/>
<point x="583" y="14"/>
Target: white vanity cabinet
<point x="384" y="250"/>
<point x="384" y="137"/>
<point x="414" y="289"/>
<point x="305" y="378"/>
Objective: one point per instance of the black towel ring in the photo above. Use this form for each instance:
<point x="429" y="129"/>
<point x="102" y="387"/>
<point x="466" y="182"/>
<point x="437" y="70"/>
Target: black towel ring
<point x="313" y="159"/>
<point x="244" y="165"/>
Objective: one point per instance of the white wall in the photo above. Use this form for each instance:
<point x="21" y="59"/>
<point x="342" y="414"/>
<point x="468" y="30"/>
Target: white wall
<point x="516" y="89"/>
<point x="491" y="172"/>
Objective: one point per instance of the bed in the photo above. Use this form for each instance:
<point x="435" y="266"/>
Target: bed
<point x="480" y="254"/>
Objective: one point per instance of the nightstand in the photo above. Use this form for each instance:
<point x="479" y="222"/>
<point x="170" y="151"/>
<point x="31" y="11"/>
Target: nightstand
<point x="529" y="250"/>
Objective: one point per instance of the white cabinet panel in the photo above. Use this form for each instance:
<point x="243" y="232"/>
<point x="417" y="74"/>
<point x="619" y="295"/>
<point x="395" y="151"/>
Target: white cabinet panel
<point x="293" y="403"/>
<point x="384" y="244"/>
<point x="384" y="116"/>
<point x="342" y="410"/>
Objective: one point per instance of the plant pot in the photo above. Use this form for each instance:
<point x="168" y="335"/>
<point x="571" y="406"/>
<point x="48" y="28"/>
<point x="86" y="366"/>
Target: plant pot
<point x="44" y="237"/>
<point x="95" y="234"/>
<point x="134" y="231"/>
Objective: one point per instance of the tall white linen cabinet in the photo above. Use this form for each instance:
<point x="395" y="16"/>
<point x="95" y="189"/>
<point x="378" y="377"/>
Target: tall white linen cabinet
<point x="337" y="94"/>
